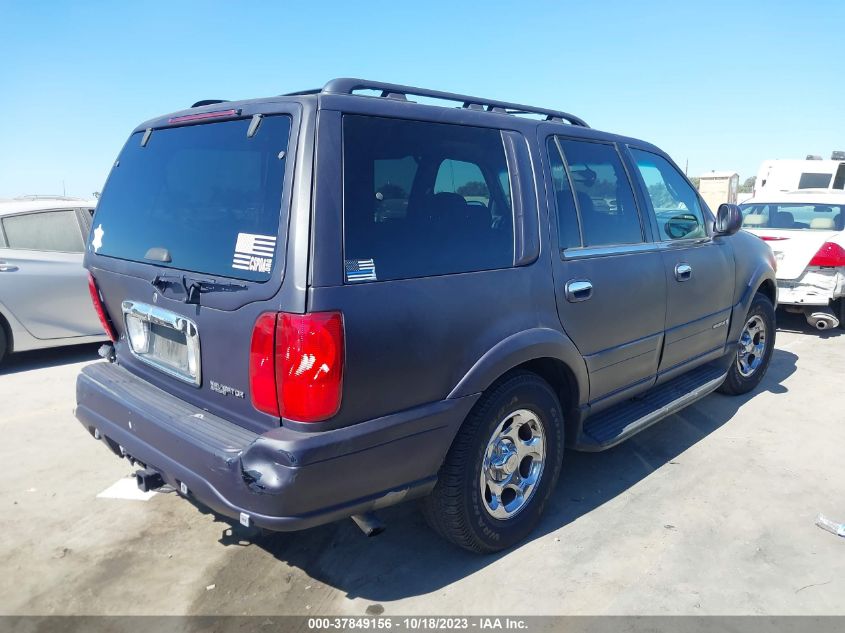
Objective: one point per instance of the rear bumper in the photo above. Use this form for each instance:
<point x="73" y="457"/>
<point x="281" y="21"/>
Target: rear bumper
<point x="282" y="480"/>
<point x="813" y="288"/>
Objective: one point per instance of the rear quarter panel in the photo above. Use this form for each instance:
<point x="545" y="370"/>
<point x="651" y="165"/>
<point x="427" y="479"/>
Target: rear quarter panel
<point x="412" y="341"/>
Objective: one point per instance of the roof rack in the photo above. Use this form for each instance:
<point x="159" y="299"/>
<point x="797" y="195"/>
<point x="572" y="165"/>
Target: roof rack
<point x="348" y="86"/>
<point x="205" y="102"/>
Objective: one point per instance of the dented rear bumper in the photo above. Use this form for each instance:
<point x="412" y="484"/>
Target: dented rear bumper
<point x="815" y="287"/>
<point x="281" y="480"/>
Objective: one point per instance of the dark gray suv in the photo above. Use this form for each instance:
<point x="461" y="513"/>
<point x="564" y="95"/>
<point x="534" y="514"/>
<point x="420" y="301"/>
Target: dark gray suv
<point x="331" y="301"/>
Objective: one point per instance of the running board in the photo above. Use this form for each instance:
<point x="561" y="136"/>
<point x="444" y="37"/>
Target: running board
<point x="608" y="428"/>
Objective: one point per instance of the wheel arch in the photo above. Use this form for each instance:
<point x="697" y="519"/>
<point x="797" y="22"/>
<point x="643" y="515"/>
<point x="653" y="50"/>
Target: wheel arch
<point x="762" y="280"/>
<point x="543" y="351"/>
<point x="7" y="330"/>
<point x="769" y="288"/>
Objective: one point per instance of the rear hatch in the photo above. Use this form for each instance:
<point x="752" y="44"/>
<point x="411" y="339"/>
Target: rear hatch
<point x="794" y="231"/>
<point x="188" y="248"/>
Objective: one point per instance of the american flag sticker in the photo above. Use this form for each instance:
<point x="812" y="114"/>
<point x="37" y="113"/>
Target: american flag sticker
<point x="360" y="270"/>
<point x="254" y="252"/>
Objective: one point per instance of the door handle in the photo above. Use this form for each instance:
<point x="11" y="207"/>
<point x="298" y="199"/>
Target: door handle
<point x="578" y="290"/>
<point x="683" y="272"/>
<point x="7" y="268"/>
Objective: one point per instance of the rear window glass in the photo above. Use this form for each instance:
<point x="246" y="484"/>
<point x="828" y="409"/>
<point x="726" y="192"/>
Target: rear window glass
<point x="819" y="217"/>
<point x="423" y="199"/>
<point x="206" y="193"/>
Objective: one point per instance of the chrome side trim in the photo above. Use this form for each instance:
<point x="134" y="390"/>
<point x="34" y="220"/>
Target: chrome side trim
<point x="166" y="318"/>
<point x="604" y="251"/>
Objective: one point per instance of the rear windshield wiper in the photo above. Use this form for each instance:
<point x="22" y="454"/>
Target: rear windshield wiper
<point x="193" y="288"/>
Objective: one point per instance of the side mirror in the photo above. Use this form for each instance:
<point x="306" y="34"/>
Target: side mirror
<point x="728" y="219"/>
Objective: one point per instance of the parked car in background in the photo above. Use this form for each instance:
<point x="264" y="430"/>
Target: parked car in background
<point x="44" y="295"/>
<point x="805" y="231"/>
<point x="329" y="302"/>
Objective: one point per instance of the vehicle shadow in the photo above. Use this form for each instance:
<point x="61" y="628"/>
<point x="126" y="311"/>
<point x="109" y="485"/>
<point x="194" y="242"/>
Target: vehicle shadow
<point x="52" y="357"/>
<point x="794" y="322"/>
<point x="408" y="559"/>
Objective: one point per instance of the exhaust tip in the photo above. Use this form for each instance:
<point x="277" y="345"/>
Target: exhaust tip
<point x="369" y="523"/>
<point x="822" y="319"/>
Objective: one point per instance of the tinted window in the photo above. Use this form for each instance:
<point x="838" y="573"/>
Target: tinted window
<point x="423" y="199"/>
<point x="46" y="231"/>
<point x="567" y="216"/>
<point x="464" y="179"/>
<point x="814" y="181"/>
<point x="392" y="180"/>
<point x="207" y="193"/>
<point x="605" y="201"/>
<point x="796" y="216"/>
<point x="673" y="199"/>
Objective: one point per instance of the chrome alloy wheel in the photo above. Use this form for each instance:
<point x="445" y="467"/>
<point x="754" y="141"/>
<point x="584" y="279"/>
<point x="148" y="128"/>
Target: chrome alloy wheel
<point x="752" y="346"/>
<point x="513" y="464"/>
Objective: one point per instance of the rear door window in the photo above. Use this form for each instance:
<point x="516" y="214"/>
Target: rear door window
<point x="603" y="194"/>
<point x="423" y="199"/>
<point x="44" y="231"/>
<point x="209" y="194"/>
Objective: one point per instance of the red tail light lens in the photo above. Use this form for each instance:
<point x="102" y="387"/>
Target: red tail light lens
<point x="309" y="365"/>
<point x="296" y="365"/>
<point x="262" y="365"/>
<point x="97" y="300"/>
<point x="830" y="254"/>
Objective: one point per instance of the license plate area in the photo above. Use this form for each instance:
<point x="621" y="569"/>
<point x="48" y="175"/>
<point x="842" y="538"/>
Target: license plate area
<point x="166" y="340"/>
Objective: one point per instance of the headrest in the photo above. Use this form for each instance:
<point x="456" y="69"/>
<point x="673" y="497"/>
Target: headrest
<point x="823" y="223"/>
<point x="754" y="220"/>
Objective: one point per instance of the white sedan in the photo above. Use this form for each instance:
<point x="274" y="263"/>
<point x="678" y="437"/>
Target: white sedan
<point x="804" y="228"/>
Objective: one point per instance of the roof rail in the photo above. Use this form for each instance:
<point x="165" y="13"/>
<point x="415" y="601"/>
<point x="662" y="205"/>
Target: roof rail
<point x="205" y="102"/>
<point x="348" y="86"/>
<point x="300" y="93"/>
<point x="43" y="196"/>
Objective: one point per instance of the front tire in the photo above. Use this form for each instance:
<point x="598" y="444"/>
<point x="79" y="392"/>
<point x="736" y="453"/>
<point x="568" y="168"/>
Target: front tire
<point x="839" y="309"/>
<point x="502" y="467"/>
<point x="754" y="348"/>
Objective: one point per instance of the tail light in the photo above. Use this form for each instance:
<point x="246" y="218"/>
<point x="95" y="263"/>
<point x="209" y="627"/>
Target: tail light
<point x="97" y="300"/>
<point x="262" y="365"/>
<point x="830" y="254"/>
<point x="296" y="365"/>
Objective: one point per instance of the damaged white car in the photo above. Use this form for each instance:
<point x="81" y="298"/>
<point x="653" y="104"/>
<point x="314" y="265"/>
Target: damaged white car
<point x="805" y="230"/>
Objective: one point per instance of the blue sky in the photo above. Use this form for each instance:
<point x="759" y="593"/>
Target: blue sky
<point x="722" y="85"/>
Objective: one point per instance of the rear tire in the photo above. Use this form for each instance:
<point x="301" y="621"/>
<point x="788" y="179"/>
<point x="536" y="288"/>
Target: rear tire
<point x="502" y="467"/>
<point x="4" y="344"/>
<point x="839" y="310"/>
<point x="755" y="348"/>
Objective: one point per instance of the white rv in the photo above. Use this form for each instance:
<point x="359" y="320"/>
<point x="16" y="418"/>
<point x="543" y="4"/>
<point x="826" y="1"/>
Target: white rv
<point x="777" y="176"/>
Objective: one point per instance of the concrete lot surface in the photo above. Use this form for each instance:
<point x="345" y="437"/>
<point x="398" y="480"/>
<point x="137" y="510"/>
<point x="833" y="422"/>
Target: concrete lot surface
<point x="709" y="512"/>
